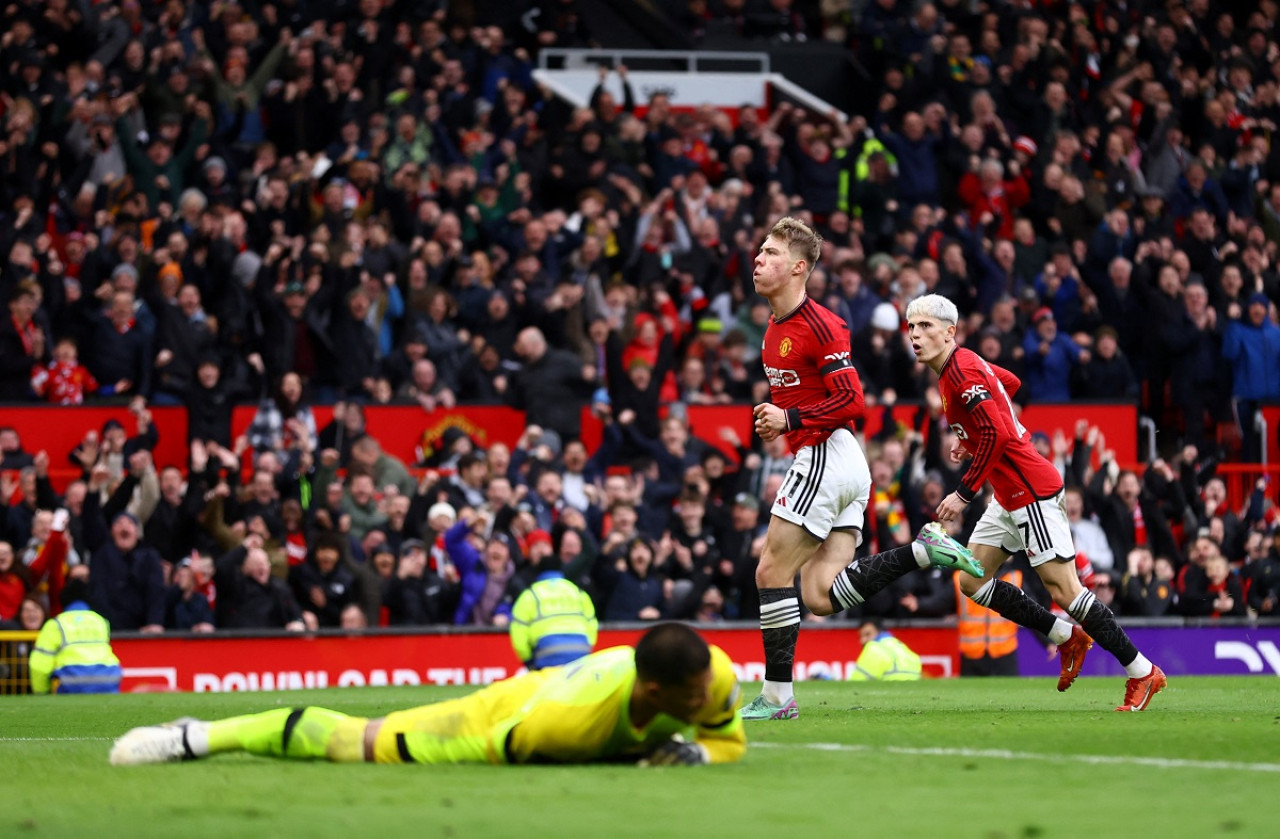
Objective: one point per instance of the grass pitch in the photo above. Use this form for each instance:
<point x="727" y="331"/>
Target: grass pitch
<point x="990" y="759"/>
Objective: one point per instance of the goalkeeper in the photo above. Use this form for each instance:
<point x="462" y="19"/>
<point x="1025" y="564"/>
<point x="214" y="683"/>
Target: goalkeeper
<point x="671" y="700"/>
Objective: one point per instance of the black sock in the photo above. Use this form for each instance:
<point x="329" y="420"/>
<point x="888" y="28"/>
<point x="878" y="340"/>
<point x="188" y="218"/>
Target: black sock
<point x="1012" y="603"/>
<point x="780" y="626"/>
<point x="864" y="577"/>
<point x="1100" y="623"/>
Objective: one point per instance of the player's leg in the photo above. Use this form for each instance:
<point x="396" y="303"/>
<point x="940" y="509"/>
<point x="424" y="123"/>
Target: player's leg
<point x="827" y="563"/>
<point x="995" y="538"/>
<point x="297" y="733"/>
<point x="838" y="507"/>
<point x="1051" y="551"/>
<point x="457" y="731"/>
<point x="824" y="480"/>
<point x="788" y="546"/>
<point x="863" y="578"/>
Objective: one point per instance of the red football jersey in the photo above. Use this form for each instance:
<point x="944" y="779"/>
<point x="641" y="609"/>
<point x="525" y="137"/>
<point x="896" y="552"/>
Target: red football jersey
<point x="811" y="377"/>
<point x="975" y="397"/>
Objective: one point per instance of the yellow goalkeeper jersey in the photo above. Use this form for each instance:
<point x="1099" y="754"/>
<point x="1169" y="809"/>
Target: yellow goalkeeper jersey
<point x="578" y="713"/>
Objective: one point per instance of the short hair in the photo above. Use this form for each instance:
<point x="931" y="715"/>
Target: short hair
<point x="327" y="540"/>
<point x="671" y="654"/>
<point x="799" y="238"/>
<point x="75" y="589"/>
<point x="933" y="306"/>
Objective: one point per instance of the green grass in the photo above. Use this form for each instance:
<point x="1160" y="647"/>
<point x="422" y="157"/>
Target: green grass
<point x="951" y="758"/>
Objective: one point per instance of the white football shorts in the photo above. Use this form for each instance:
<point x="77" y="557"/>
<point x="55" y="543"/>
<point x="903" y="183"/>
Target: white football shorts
<point x="1041" y="529"/>
<point x="827" y="487"/>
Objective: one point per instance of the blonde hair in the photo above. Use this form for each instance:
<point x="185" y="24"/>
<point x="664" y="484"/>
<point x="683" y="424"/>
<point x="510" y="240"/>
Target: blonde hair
<point x="933" y="306"/>
<point x="800" y="239"/>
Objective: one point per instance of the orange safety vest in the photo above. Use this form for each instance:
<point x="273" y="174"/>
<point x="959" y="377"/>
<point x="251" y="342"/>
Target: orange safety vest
<point x="982" y="631"/>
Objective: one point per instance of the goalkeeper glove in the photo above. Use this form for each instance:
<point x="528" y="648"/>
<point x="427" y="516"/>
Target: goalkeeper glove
<point x="677" y="752"/>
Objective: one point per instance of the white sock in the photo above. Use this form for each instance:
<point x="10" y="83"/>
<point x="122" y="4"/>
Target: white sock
<point x="921" y="555"/>
<point x="778" y="693"/>
<point x="1139" y="668"/>
<point x="1061" y="632"/>
<point x="198" y="738"/>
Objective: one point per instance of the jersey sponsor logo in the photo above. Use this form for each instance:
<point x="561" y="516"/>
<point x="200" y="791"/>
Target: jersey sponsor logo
<point x="785" y="347"/>
<point x="781" y="378"/>
<point x="974" y="395"/>
<point x="958" y="430"/>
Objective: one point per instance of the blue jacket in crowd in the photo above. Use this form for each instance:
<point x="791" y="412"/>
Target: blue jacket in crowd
<point x="1254" y="353"/>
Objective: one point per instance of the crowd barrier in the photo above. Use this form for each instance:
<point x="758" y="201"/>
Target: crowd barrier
<point x="412" y="434"/>
<point x="230" y="661"/>
<point x="451" y="657"/>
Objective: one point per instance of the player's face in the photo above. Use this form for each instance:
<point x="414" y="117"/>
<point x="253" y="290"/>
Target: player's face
<point x="683" y="701"/>
<point x="930" y="338"/>
<point x="774" y="267"/>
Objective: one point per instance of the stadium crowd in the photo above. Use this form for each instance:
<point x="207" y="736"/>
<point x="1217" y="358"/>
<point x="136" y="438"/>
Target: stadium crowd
<point x="205" y="204"/>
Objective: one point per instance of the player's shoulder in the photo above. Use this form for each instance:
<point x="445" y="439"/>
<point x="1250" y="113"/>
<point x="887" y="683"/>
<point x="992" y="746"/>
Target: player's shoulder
<point x="814" y="312"/>
<point x="966" y="364"/>
<point x="966" y="378"/>
<point x="724" y="694"/>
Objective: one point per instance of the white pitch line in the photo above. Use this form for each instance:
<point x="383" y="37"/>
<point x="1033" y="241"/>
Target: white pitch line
<point x="995" y="754"/>
<point x="53" y="739"/>
<point x="1005" y="754"/>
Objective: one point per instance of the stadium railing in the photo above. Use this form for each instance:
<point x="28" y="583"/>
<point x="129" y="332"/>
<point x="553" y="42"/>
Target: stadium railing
<point x="15" y="650"/>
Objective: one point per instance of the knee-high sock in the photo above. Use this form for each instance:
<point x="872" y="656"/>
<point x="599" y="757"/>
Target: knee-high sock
<point x="1101" y="625"/>
<point x="864" y="577"/>
<point x="1011" y="603"/>
<point x="780" y="626"/>
<point x="298" y="733"/>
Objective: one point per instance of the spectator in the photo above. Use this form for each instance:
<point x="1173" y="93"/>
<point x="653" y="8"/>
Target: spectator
<point x="183" y="340"/>
<point x="633" y="586"/>
<point x="65" y="381"/>
<point x="1222" y="594"/>
<point x="1130" y="516"/>
<point x="1050" y="359"/>
<point x="47" y="557"/>
<point x="1088" y="535"/>
<point x="22" y="345"/>
<point x="284" y="422"/>
<point x="1196" y="190"/>
<point x="1252" y="346"/>
<point x="161" y="170"/>
<point x="12" y="455"/>
<point x="484" y="575"/>
<point x="1194" y="340"/>
<point x="186" y="607"/>
<point x="386" y="470"/>
<point x="14" y="583"/>
<point x="992" y="200"/>
<point x="210" y="400"/>
<point x="417" y="595"/>
<point x="248" y="596"/>
<point x="1107" y="374"/>
<point x="324" y="585"/>
<point x="1142" y="592"/>
<point x="1264" y="577"/>
<point x="552" y="387"/>
<point x="121" y="349"/>
<point x="127" y="579"/>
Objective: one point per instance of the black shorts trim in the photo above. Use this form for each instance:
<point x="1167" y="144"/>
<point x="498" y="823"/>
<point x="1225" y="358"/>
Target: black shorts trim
<point x="402" y="748"/>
